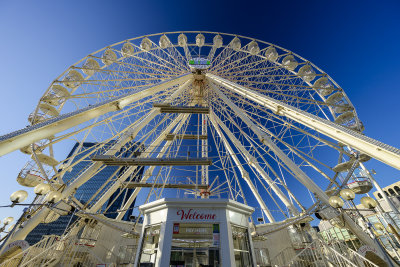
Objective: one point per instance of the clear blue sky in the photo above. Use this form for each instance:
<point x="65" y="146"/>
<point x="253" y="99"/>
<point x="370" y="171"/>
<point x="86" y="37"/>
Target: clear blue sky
<point x="355" y="42"/>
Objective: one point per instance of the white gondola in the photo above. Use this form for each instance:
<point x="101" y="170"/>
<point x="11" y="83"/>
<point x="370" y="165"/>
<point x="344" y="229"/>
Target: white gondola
<point x="296" y="237"/>
<point x="307" y="73"/>
<point x="335" y="98"/>
<point x="345" y="119"/>
<point x="289" y="62"/>
<point x="146" y="44"/>
<point x="217" y="41"/>
<point x="52" y="99"/>
<point x="341" y="108"/>
<point x="127" y="50"/>
<point x="30" y="178"/>
<point x="324" y="86"/>
<point x="356" y="127"/>
<point x="360" y="185"/>
<point x="200" y="40"/>
<point x="164" y="42"/>
<point x="60" y="90"/>
<point x="109" y="57"/>
<point x="343" y="166"/>
<point x="363" y="157"/>
<point x="36" y="118"/>
<point x="253" y="48"/>
<point x="48" y="109"/>
<point x="235" y="44"/>
<point x="182" y="40"/>
<point x="73" y="79"/>
<point x="271" y="54"/>
<point x="90" y="67"/>
<point x="46" y="159"/>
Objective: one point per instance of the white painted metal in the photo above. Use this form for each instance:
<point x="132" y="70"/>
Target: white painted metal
<point x="85" y="176"/>
<point x="244" y="173"/>
<point x="43" y="130"/>
<point x="244" y="71"/>
<point x="369" y="146"/>
<point x="252" y="161"/>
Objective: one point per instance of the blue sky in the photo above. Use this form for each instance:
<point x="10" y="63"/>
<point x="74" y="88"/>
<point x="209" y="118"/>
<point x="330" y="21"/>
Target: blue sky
<point x="355" y="43"/>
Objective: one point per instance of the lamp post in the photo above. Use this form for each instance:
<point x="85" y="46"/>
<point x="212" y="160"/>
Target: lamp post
<point x="19" y="196"/>
<point x="337" y="203"/>
<point x="371" y="204"/>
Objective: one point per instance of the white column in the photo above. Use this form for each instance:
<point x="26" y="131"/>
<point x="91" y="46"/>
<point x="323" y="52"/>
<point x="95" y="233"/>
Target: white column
<point x="165" y="243"/>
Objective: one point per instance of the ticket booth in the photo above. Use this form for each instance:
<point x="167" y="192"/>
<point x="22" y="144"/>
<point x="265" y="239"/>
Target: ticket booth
<point x="195" y="232"/>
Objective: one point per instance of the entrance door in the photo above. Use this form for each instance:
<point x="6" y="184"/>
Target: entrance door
<point x="195" y="245"/>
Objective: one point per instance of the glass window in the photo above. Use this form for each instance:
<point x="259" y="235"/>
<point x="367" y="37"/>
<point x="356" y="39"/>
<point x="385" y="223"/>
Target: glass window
<point x="241" y="247"/>
<point x="148" y="253"/>
<point x="195" y="244"/>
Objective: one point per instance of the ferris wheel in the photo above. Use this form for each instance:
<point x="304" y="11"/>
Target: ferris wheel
<point x="206" y="115"/>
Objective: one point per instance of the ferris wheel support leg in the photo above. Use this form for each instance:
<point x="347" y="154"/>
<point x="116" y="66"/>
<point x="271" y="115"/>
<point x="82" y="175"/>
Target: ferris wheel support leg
<point x="85" y="176"/>
<point x="380" y="151"/>
<point x="253" y="162"/>
<point x="31" y="134"/>
<point x="149" y="171"/>
<point x="244" y="173"/>
<point x="305" y="180"/>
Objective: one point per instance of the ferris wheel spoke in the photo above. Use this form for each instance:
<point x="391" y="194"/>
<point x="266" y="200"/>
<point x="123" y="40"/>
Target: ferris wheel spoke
<point x="45" y="129"/>
<point x="147" y="153"/>
<point x="253" y="162"/>
<point x="241" y="55"/>
<point x="250" y="62"/>
<point x="243" y="172"/>
<point x="149" y="66"/>
<point x="173" y="54"/>
<point x="299" y="174"/>
<point x="369" y="146"/>
<point x="254" y="149"/>
<point x="304" y="156"/>
<point x="163" y="62"/>
<point x="260" y="110"/>
<point x="149" y="172"/>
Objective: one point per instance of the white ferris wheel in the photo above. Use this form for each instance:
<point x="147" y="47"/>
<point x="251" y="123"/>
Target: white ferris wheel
<point x="208" y="115"/>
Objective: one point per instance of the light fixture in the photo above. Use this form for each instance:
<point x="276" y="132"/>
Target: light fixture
<point x="368" y="202"/>
<point x="18" y="196"/>
<point x="336" y="202"/>
<point x="53" y="197"/>
<point x="8" y="220"/>
<point x="379" y="226"/>
<point x="347" y="194"/>
<point x="42" y="189"/>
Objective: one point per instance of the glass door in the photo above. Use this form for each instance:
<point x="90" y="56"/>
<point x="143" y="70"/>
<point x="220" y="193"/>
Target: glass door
<point x="195" y="245"/>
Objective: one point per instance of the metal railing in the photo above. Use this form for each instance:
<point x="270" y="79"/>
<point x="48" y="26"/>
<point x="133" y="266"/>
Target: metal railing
<point x="318" y="253"/>
<point x="52" y="250"/>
